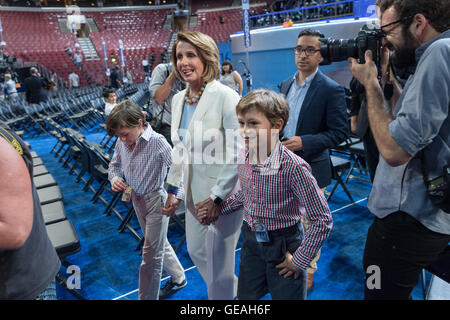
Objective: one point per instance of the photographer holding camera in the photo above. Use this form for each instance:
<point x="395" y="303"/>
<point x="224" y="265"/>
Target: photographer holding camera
<point x="411" y="230"/>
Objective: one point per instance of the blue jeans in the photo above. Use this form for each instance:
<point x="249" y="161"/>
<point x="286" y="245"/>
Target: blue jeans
<point x="49" y="293"/>
<point x="258" y="274"/>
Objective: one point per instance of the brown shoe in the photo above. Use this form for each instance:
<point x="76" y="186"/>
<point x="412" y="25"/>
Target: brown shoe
<point x="310" y="281"/>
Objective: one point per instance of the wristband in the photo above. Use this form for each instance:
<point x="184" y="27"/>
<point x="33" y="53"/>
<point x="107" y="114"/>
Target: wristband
<point x="172" y="189"/>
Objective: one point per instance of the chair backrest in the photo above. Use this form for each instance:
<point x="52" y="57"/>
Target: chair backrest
<point x="70" y="134"/>
<point x="2" y="116"/>
<point x="94" y="157"/>
<point x="65" y="133"/>
<point x="16" y="110"/>
<point x="76" y="140"/>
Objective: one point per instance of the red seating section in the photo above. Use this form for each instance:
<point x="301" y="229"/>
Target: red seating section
<point x="36" y="37"/>
<point x="201" y="4"/>
<point x="140" y="31"/>
<point x="209" y="23"/>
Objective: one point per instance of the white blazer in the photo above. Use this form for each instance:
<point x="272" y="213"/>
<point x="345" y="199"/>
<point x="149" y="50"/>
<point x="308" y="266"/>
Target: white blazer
<point x="208" y="165"/>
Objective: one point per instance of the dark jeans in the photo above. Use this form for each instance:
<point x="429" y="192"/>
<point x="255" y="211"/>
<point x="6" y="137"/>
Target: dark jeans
<point x="401" y="247"/>
<point x="257" y="272"/>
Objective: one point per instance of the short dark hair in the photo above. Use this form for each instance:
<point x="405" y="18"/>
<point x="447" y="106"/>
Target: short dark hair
<point x="310" y="32"/>
<point x="107" y="91"/>
<point x="437" y="12"/>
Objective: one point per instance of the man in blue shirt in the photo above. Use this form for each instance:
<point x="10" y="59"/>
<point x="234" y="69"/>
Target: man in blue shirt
<point x="409" y="233"/>
<point x="318" y="117"/>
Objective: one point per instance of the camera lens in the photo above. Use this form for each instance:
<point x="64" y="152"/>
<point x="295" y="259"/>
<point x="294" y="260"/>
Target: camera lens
<point x="338" y="49"/>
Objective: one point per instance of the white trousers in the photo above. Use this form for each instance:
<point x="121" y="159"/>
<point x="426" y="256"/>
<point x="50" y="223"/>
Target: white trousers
<point x="212" y="249"/>
<point x="157" y="253"/>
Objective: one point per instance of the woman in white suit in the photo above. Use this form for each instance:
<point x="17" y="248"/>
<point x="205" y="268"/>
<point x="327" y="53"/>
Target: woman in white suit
<point x="204" y="128"/>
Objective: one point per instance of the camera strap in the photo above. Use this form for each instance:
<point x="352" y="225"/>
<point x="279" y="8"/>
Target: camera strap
<point x="388" y="89"/>
<point x="160" y="114"/>
<point x="423" y="166"/>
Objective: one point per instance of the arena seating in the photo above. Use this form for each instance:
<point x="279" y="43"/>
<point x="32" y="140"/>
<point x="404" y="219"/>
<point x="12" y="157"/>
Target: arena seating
<point x="220" y="24"/>
<point x="198" y="5"/>
<point x="145" y="35"/>
<point x="142" y="32"/>
<point x="44" y="42"/>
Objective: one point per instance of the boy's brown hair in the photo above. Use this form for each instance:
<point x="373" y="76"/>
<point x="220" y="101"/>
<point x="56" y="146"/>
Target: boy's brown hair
<point x="126" y="114"/>
<point x="273" y="105"/>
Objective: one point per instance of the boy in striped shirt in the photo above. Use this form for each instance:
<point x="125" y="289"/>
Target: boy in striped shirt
<point x="277" y="189"/>
<point x="140" y="163"/>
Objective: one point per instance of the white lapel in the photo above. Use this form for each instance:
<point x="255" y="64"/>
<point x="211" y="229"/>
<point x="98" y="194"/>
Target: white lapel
<point x="204" y="103"/>
<point x="177" y="111"/>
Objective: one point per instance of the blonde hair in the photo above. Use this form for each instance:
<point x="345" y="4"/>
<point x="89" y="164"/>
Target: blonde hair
<point x="273" y="105"/>
<point x="126" y="114"/>
<point x="206" y="49"/>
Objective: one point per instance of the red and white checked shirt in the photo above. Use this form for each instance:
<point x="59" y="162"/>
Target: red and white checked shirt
<point x="278" y="193"/>
<point x="145" y="167"/>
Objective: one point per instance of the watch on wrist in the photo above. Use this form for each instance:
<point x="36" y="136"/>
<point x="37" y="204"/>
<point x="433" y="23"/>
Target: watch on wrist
<point x="218" y="200"/>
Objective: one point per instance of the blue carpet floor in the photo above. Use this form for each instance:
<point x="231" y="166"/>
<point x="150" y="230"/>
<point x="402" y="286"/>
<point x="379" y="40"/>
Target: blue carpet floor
<point x="109" y="261"/>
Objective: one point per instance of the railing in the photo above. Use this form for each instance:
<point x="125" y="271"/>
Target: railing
<point x="324" y="11"/>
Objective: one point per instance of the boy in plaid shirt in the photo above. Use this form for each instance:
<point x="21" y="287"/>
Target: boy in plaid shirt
<point x="140" y="163"/>
<point x="277" y="189"/>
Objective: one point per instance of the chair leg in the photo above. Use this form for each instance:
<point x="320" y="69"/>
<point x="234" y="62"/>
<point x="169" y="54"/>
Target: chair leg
<point x="339" y="179"/>
<point x="350" y="171"/>
<point x="80" y="175"/>
<point x="182" y="240"/>
<point x="103" y="139"/>
<point x="99" y="191"/>
<point x="332" y="191"/>
<point x="126" y="220"/>
<point x="88" y="184"/>
<point x="140" y="244"/>
<point x="75" y="165"/>
<point x="54" y="147"/>
<point x="62" y="281"/>
<point x="61" y="157"/>
<point x="112" y="203"/>
<point x="105" y="143"/>
<point x="424" y="284"/>
<point x="69" y="158"/>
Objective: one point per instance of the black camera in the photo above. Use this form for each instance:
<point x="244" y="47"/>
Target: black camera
<point x="438" y="190"/>
<point x="368" y="38"/>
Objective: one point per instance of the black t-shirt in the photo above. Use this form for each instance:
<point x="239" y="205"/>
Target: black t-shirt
<point x="34" y="89"/>
<point x="27" y="271"/>
<point x="115" y="75"/>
